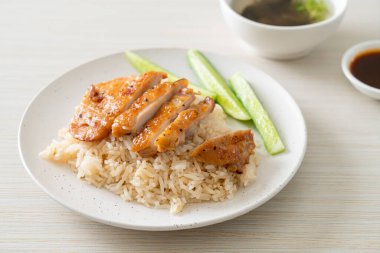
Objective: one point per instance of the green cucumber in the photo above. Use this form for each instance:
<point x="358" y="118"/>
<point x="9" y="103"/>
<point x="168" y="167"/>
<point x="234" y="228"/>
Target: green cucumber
<point x="272" y="140"/>
<point x="215" y="82"/>
<point x="144" y="65"/>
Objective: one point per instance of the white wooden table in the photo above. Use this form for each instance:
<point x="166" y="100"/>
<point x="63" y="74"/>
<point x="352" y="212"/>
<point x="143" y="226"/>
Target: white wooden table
<point x="332" y="204"/>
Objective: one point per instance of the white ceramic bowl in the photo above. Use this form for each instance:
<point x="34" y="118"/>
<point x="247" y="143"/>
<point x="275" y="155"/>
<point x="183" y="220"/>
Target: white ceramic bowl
<point x="281" y="42"/>
<point x="349" y="56"/>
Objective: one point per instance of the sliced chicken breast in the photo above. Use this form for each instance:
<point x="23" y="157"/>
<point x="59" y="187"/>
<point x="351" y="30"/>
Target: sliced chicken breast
<point x="232" y="150"/>
<point x="102" y="102"/>
<point x="175" y="134"/>
<point x="143" y="143"/>
<point x="145" y="107"/>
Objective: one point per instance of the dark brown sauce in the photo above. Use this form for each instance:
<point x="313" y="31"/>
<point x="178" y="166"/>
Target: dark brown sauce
<point x="276" y="12"/>
<point x="366" y="67"/>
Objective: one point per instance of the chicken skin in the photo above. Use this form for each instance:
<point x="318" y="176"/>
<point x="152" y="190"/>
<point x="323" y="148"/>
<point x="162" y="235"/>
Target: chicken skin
<point x="176" y="133"/>
<point x="144" y="142"/>
<point x="145" y="107"/>
<point x="103" y="102"/>
<point x="231" y="150"/>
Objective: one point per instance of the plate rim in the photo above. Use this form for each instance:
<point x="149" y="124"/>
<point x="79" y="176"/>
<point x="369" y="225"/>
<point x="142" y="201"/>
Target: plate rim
<point x="171" y="227"/>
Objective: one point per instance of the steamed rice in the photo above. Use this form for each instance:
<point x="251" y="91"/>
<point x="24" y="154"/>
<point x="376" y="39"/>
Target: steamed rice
<point x="168" y="180"/>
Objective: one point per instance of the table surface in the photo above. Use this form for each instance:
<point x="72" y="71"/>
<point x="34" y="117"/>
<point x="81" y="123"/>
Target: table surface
<point x="333" y="202"/>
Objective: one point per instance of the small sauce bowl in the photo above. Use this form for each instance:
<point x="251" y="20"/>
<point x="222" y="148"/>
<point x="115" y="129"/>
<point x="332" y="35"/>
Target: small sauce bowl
<point x="349" y="56"/>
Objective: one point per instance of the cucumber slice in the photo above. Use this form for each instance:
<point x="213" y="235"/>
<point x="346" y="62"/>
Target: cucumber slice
<point x="215" y="82"/>
<point x="263" y="123"/>
<point x="143" y="65"/>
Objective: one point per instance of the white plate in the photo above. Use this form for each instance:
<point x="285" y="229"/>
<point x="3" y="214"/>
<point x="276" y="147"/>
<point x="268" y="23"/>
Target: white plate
<point x="54" y="106"/>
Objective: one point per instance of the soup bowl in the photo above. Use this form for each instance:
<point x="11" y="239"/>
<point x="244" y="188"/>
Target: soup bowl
<point x="281" y="42"/>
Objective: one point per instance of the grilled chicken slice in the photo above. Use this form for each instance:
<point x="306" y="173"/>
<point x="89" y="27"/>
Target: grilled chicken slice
<point x="231" y="150"/>
<point x="176" y="133"/>
<point x="102" y="102"/>
<point x="143" y="143"/>
<point x="143" y="109"/>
